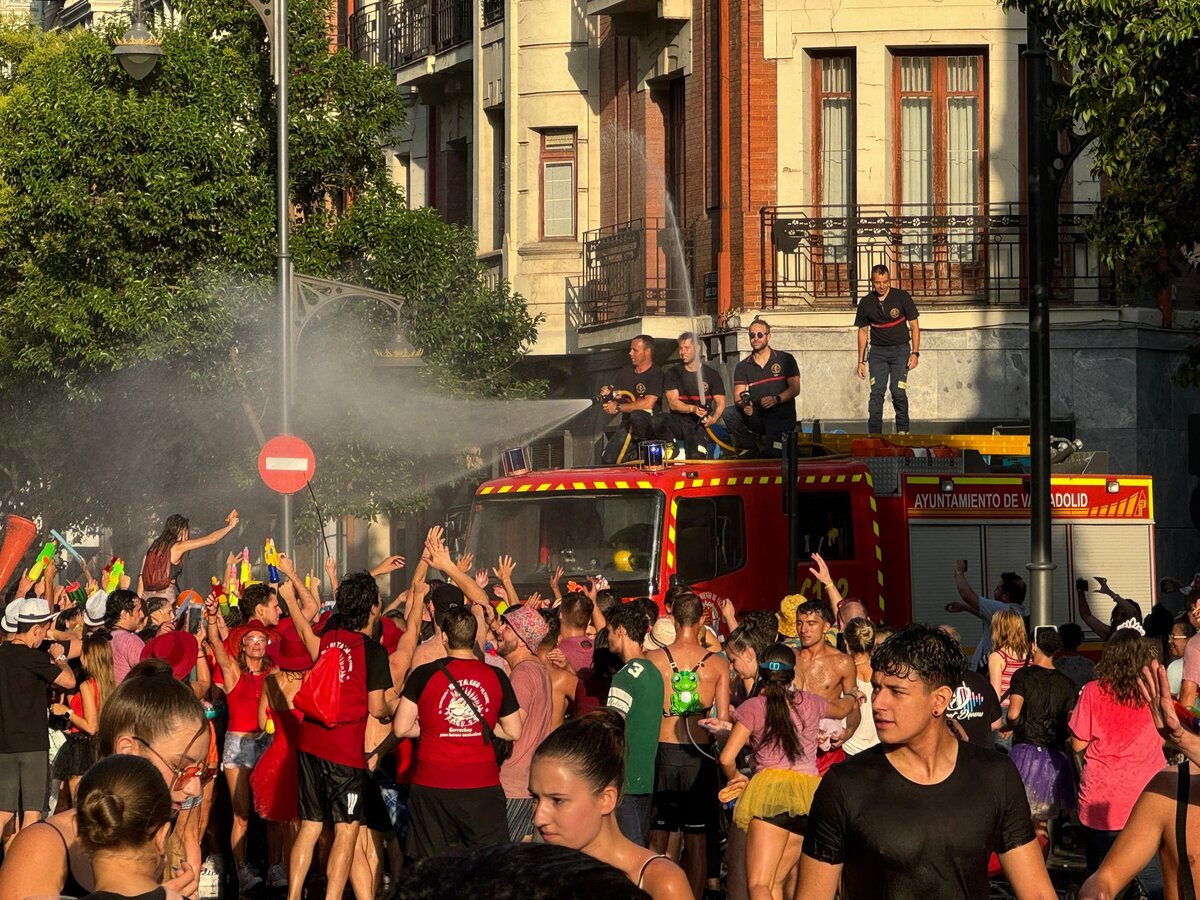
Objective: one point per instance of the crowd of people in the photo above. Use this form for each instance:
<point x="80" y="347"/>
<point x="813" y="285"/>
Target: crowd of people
<point x="460" y="737"/>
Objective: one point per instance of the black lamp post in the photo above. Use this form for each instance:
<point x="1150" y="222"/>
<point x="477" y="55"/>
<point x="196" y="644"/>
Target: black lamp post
<point x="138" y="52"/>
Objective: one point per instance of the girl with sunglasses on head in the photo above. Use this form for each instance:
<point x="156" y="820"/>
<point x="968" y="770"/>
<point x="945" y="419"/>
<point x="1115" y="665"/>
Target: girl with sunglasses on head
<point x="151" y="715"/>
<point x="124" y="821"/>
<point x="781" y="725"/>
<point x="243" y="677"/>
<point x="575" y="779"/>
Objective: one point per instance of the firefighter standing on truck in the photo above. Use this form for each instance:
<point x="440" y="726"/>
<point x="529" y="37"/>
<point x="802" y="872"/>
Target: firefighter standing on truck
<point x="695" y="396"/>
<point x="635" y="395"/>
<point x="765" y="387"/>
<point x="886" y="314"/>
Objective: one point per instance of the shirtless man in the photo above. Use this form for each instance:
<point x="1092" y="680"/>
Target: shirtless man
<point x="563" y="680"/>
<point x="685" y="778"/>
<point x="829" y="673"/>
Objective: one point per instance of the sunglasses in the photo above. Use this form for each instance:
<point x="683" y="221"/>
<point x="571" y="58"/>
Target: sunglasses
<point x="181" y="775"/>
<point x="758" y="334"/>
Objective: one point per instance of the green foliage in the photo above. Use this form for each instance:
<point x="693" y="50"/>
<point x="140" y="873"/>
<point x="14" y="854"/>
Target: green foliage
<point x="1135" y="65"/>
<point x="138" y="323"/>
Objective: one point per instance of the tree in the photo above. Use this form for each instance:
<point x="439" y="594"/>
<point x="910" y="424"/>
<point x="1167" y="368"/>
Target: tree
<point x="1134" y="69"/>
<point x="138" y="329"/>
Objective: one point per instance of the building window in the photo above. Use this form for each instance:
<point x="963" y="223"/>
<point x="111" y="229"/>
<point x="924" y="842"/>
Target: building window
<point x="940" y="105"/>
<point x="558" y="185"/>
<point x="833" y="146"/>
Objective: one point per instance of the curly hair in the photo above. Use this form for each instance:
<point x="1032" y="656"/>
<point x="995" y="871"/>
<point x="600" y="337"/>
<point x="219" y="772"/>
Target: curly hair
<point x="1008" y="633"/>
<point x="932" y="655"/>
<point x="1126" y="653"/>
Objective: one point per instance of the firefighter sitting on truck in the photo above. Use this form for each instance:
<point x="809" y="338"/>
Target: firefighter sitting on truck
<point x="634" y="395"/>
<point x="695" y="396"/>
<point x="765" y="386"/>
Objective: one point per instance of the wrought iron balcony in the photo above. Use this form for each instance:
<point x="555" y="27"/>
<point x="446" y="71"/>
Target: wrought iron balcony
<point x="634" y="269"/>
<point x="493" y="11"/>
<point x="397" y="32"/>
<point x="942" y="254"/>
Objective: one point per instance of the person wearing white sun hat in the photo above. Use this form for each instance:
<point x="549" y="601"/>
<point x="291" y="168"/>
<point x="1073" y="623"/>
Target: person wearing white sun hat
<point x="25" y="673"/>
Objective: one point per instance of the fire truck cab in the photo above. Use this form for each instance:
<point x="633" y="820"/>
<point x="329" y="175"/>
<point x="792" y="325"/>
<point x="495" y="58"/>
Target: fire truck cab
<point x="889" y="528"/>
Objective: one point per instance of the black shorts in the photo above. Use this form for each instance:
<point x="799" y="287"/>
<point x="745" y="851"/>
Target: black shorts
<point x="447" y="821"/>
<point x="329" y="791"/>
<point x="685" y="790"/>
<point x="786" y="821"/>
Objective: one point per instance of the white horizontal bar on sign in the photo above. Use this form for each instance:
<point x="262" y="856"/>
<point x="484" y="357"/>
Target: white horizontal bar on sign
<point x="286" y="464"/>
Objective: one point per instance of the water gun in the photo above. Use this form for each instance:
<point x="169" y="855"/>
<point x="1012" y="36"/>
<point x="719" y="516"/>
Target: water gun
<point x="62" y="542"/>
<point x="1188" y="718"/>
<point x="43" y="559"/>
<point x="271" y="558"/>
<point x="245" y="576"/>
<point x="115" y="570"/>
<point x="77" y="594"/>
<point x="218" y="590"/>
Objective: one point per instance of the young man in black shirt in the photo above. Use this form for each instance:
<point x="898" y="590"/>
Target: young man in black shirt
<point x="636" y="392"/>
<point x="26" y="671"/>
<point x="887" y="314"/>
<point x="695" y="396"/>
<point x="917" y="817"/>
<point x="765" y="387"/>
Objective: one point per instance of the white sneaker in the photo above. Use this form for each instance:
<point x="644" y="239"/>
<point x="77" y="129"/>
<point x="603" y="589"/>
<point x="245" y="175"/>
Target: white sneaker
<point x="276" y="877"/>
<point x="247" y="878"/>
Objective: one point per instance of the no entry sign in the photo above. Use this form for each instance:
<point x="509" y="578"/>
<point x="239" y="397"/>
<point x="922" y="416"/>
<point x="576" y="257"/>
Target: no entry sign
<point x="286" y="464"/>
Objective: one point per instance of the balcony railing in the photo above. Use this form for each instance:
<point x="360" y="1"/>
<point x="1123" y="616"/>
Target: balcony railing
<point x="638" y="268"/>
<point x="493" y="11"/>
<point x="953" y="254"/>
<point x="397" y="32"/>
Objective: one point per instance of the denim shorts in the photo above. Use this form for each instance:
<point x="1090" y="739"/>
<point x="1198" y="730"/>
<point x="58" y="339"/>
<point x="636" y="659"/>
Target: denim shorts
<point x="244" y="749"/>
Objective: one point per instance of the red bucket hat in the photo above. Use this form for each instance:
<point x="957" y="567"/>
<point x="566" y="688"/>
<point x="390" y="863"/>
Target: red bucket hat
<point x="288" y="651"/>
<point x="177" y="648"/>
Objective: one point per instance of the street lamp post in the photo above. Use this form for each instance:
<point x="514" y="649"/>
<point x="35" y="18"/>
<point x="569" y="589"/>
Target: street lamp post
<point x="138" y="51"/>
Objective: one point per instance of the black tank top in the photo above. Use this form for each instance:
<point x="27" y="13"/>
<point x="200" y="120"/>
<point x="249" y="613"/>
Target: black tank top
<point x="71" y="887"/>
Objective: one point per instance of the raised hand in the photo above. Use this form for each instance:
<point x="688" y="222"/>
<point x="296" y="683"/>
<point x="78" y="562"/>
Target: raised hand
<point x="388" y="564"/>
<point x="1155" y="689"/>
<point x="481" y="578"/>
<point x="819" y="570"/>
<point x="504" y="568"/>
<point x="555" y="580"/>
<point x="535" y="601"/>
<point x="232" y="519"/>
<point x="465" y="563"/>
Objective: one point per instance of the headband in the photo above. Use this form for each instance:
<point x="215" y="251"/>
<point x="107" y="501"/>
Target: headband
<point x="776" y="666"/>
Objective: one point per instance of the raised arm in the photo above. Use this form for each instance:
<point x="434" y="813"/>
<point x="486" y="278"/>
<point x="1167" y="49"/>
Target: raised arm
<point x="1125" y="608"/>
<point x="400" y="662"/>
<point x="1085" y="611"/>
<point x="182" y="547"/>
<point x="229" y="666"/>
<point x="966" y="593"/>
<point x="440" y="558"/>
<point x="304" y="629"/>
<point x="820" y="571"/>
<point x="308" y="605"/>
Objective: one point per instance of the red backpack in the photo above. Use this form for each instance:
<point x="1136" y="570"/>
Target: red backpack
<point x="335" y="692"/>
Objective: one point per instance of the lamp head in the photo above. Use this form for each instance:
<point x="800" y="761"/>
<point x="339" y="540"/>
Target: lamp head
<point x="138" y="51"/>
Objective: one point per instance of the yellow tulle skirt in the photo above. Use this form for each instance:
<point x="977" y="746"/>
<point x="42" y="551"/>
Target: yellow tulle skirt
<point x="775" y="791"/>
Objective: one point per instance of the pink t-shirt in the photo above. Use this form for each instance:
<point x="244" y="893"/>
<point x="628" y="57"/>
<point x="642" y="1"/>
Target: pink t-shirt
<point x="807" y="712"/>
<point x="126" y="652"/>
<point x="531" y="684"/>
<point x="578" y="651"/>
<point x="1191" y="659"/>
<point x="1124" y="752"/>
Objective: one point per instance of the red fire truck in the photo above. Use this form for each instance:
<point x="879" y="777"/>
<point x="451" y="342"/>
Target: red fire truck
<point x="890" y="529"/>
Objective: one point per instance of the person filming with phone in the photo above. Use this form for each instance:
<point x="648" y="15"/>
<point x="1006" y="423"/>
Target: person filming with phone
<point x="1009" y="593"/>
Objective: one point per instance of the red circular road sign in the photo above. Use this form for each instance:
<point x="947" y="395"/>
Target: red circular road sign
<point x="286" y="463"/>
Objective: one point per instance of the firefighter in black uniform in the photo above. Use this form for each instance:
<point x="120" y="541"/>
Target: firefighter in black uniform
<point x="765" y="386"/>
<point x="635" y="395"/>
<point x="695" y="396"/>
<point x="886" y="315"/>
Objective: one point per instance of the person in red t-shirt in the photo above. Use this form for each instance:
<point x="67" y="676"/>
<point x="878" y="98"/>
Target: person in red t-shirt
<point x="332" y="760"/>
<point x="456" y="800"/>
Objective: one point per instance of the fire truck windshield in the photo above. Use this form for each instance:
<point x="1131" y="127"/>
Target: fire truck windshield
<point x="612" y="534"/>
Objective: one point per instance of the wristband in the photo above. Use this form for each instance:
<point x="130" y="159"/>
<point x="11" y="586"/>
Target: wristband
<point x="915" y="353"/>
